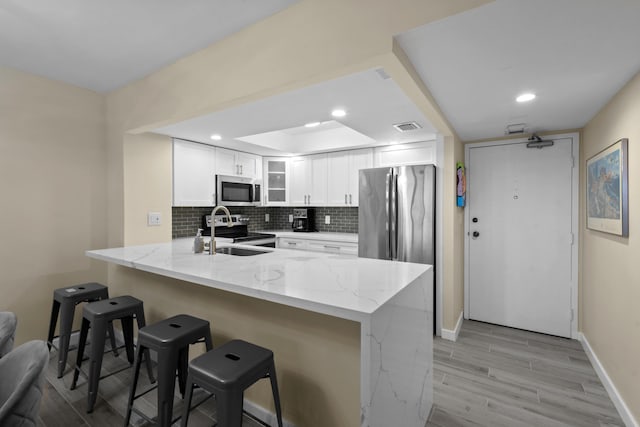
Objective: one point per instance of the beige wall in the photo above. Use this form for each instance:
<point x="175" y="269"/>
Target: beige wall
<point x="317" y="356"/>
<point x="53" y="182"/>
<point x="610" y="287"/>
<point x="148" y="175"/>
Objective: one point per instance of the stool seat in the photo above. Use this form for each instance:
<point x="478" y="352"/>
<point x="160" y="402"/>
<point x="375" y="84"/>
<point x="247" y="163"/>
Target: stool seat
<point x="237" y="364"/>
<point x="180" y="331"/>
<point x="170" y="338"/>
<point x="98" y="315"/>
<point x="112" y="308"/>
<point x="226" y="372"/>
<point x="64" y="304"/>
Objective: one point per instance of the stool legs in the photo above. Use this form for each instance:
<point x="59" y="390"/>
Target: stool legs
<point x="66" y="323"/>
<point x="187" y="402"/>
<point x="276" y="393"/>
<point x="132" y="388"/>
<point x="98" y="336"/>
<point x="55" y="310"/>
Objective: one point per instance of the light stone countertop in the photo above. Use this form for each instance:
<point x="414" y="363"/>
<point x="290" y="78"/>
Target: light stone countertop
<point x="341" y="286"/>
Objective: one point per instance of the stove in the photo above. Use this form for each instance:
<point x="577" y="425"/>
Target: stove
<point x="238" y="233"/>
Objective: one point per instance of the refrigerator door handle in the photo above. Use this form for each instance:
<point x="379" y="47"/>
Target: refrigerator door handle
<point x="393" y="217"/>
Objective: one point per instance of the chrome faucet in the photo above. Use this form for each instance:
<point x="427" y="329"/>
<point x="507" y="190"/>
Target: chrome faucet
<point x="212" y="244"/>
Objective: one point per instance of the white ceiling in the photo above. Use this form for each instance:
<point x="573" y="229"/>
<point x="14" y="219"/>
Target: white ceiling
<point x="102" y="45"/>
<point x="574" y="54"/>
<point x="272" y="126"/>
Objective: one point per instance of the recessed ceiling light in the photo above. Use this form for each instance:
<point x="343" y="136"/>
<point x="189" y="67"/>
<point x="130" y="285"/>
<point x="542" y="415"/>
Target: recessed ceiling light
<point x="526" y="97"/>
<point x="216" y="137"/>
<point x="312" y="124"/>
<point x="338" y="113"/>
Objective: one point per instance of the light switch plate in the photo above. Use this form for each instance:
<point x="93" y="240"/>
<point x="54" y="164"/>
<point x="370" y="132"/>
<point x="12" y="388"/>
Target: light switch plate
<point x="154" y="219"/>
<point x="327" y="219"/>
<point x="290" y="218"/>
<point x="266" y="217"/>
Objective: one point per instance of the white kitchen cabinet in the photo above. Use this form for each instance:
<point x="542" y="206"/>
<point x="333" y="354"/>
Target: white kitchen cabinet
<point x="237" y="163"/>
<point x="418" y="153"/>
<point x="314" y="245"/>
<point x="342" y="170"/>
<point x="308" y="183"/>
<point x="319" y="180"/>
<point x="289" y="243"/>
<point x="193" y="174"/>
<point x="276" y="181"/>
<point x="332" y="247"/>
<point x="300" y="172"/>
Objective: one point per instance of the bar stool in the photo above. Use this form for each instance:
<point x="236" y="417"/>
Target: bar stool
<point x="227" y="372"/>
<point x="64" y="303"/>
<point x="170" y="338"/>
<point x="98" y="315"/>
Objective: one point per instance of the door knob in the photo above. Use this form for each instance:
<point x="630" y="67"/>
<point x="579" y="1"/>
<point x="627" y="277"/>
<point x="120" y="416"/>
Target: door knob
<point x="476" y="234"/>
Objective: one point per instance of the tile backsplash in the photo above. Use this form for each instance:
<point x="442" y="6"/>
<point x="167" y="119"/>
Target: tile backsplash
<point x="187" y="220"/>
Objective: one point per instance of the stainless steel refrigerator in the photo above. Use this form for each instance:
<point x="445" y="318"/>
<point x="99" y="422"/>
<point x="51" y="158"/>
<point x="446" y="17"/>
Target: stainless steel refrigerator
<point x="396" y="214"/>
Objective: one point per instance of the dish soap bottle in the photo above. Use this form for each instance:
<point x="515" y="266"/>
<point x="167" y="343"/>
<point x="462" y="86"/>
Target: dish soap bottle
<point x="198" y="242"/>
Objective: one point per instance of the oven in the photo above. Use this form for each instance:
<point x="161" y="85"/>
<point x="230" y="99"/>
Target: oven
<point x="239" y="232"/>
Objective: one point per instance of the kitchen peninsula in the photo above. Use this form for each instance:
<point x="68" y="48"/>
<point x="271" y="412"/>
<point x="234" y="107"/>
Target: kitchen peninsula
<point x="351" y="336"/>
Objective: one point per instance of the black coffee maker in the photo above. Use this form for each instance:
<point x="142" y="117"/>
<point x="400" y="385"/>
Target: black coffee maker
<point x="304" y="219"/>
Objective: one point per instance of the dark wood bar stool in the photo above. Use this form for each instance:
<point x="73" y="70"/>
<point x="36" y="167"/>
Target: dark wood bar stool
<point x="227" y="372"/>
<point x="64" y="304"/>
<point x="98" y="315"/>
<point x="170" y="339"/>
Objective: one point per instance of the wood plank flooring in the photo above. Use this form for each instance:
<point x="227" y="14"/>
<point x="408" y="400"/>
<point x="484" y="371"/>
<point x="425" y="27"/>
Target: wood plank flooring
<point x="497" y="376"/>
<point x="492" y="376"/>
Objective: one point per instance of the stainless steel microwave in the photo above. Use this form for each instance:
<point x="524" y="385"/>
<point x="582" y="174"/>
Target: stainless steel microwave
<point x="238" y="191"/>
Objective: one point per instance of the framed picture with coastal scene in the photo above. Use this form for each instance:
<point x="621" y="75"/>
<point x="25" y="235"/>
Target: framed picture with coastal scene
<point x="608" y="190"/>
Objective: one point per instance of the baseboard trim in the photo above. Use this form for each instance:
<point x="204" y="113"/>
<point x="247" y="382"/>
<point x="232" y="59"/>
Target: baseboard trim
<point x="263" y="414"/>
<point x="618" y="402"/>
<point x="450" y="335"/>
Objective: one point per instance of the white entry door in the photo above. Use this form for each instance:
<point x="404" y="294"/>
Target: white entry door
<point x="520" y="236"/>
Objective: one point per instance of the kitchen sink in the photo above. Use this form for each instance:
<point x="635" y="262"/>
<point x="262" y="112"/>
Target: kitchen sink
<point x="239" y="251"/>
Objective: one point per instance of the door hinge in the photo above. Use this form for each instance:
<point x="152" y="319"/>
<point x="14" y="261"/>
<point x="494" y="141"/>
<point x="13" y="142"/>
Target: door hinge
<point x="573" y="162"/>
<point x="572" y="314"/>
<point x="571" y="239"/>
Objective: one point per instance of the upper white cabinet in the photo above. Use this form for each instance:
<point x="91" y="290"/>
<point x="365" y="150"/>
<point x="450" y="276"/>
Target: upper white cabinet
<point x="276" y="181"/>
<point x="193" y="174"/>
<point x="406" y="154"/>
<point x="308" y="183"/>
<point x="342" y="170"/>
<point x="230" y="162"/>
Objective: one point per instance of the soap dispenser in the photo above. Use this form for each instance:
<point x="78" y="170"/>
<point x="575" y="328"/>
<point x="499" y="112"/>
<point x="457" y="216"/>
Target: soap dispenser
<point x="198" y="242"/>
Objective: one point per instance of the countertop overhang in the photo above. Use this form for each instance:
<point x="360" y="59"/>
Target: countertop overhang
<point x="341" y="286"/>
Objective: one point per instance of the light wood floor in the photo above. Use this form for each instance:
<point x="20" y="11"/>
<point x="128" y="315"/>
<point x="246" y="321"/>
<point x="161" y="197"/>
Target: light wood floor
<point x="496" y="376"/>
<point x="492" y="376"/>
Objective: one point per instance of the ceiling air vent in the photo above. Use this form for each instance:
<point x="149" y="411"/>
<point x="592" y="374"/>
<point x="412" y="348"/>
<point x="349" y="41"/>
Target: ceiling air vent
<point x="405" y="127"/>
<point x="514" y="129"/>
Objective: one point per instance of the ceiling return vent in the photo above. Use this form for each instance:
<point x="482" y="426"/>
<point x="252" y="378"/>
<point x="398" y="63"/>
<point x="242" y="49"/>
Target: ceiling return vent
<point x="407" y="126"/>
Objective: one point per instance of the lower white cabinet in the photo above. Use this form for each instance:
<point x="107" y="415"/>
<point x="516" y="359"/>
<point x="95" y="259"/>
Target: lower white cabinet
<point x="289" y="243"/>
<point x="330" y="246"/>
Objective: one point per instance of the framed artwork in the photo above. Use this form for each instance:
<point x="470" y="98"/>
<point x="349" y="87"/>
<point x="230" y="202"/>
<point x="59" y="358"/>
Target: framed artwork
<point x="608" y="190"/>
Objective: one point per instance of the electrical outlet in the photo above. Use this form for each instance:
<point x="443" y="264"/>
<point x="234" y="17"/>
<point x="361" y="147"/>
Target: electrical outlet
<point x="290" y="218"/>
<point x="327" y="219"/>
<point x="266" y="217"/>
<point x="154" y="219"/>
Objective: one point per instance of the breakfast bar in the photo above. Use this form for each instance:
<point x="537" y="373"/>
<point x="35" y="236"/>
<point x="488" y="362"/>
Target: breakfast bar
<point x="341" y="314"/>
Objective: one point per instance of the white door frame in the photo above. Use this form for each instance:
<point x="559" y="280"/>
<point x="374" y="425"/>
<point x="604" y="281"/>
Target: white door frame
<point x="575" y="177"/>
